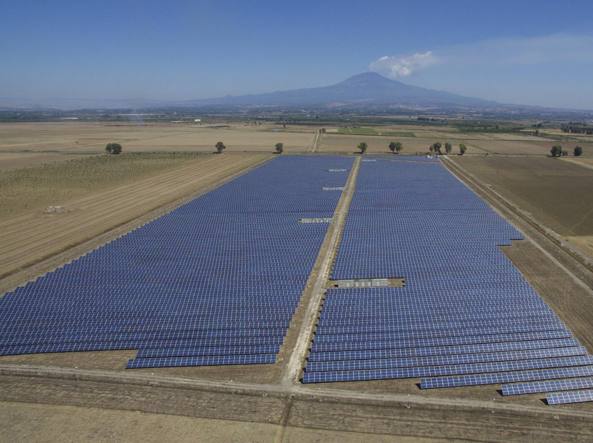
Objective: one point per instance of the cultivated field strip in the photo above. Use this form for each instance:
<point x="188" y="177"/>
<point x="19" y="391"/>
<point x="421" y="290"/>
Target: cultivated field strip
<point x="214" y="282"/>
<point x="465" y="314"/>
<point x="29" y="238"/>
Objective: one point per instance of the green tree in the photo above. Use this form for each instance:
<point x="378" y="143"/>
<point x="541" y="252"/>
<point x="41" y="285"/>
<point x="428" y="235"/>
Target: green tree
<point x="462" y="149"/>
<point x="279" y="148"/>
<point x="437" y="148"/>
<point x="113" y="148"/>
<point x="578" y="151"/>
<point x="398" y="147"/>
<point x="556" y="151"/>
<point x="220" y="147"/>
<point x="448" y="148"/>
<point x="362" y="147"/>
<point x="392" y="147"/>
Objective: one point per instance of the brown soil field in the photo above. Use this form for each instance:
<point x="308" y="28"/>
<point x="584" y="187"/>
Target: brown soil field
<point x="32" y="236"/>
<point x="582" y="242"/>
<point x="584" y="162"/>
<point x="76" y="423"/>
<point x="36" y="187"/>
<point x="12" y="160"/>
<point x="554" y="192"/>
<point x="78" y="137"/>
<point x="525" y="147"/>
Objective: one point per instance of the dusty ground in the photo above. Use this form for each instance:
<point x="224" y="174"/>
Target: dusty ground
<point x="76" y="137"/>
<point x="30" y="237"/>
<point x="36" y="187"/>
<point x="583" y="162"/>
<point x="45" y="423"/>
<point x="16" y="160"/>
<point x="554" y="192"/>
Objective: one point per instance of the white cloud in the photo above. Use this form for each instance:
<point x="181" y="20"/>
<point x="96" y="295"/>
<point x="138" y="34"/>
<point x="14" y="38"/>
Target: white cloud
<point x="514" y="51"/>
<point x="397" y="66"/>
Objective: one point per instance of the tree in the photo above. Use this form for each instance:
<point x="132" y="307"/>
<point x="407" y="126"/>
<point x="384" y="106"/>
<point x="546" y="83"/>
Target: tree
<point x="556" y="151"/>
<point x="279" y="148"/>
<point x="113" y="148"/>
<point x="362" y="146"/>
<point x="578" y="151"/>
<point x="462" y="149"/>
<point x="437" y="148"/>
<point x="448" y="148"/>
<point x="220" y="147"/>
<point x="395" y="147"/>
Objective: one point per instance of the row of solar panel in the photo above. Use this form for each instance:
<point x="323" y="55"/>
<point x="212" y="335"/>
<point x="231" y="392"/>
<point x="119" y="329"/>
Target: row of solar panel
<point x="215" y="281"/>
<point x="465" y="316"/>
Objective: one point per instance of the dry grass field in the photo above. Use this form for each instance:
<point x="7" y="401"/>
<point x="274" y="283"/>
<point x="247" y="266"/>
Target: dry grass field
<point x="35" y="188"/>
<point x="77" y="138"/>
<point x="95" y="195"/>
<point x="555" y="192"/>
<point x="16" y="160"/>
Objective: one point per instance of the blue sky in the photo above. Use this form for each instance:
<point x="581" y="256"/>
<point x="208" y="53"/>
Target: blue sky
<point x="528" y="52"/>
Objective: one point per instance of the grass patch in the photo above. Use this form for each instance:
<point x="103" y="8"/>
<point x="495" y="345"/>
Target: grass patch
<point x="357" y="131"/>
<point x="37" y="187"/>
<point x="360" y="130"/>
<point x="488" y="127"/>
<point x="398" y="134"/>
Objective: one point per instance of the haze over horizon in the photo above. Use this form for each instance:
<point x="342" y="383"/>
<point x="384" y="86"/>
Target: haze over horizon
<point x="509" y="52"/>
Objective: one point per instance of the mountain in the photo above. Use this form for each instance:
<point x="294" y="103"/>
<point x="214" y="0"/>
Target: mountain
<point x="363" y="89"/>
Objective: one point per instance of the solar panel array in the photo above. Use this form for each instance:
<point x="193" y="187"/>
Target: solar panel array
<point x="466" y="316"/>
<point x="214" y="282"/>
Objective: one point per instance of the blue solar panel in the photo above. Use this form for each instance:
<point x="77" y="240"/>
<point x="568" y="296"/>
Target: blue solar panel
<point x="440" y="341"/>
<point x="506" y="377"/>
<point x="216" y="281"/>
<point x="436" y="371"/>
<point x="440" y="350"/>
<point x="561" y="398"/>
<point x="442" y="360"/>
<point x="168" y="362"/>
<point x="546" y="386"/>
<point x="409" y="333"/>
<point x="464" y="307"/>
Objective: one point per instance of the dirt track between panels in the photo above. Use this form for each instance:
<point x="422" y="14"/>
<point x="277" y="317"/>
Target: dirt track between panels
<point x="33" y="237"/>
